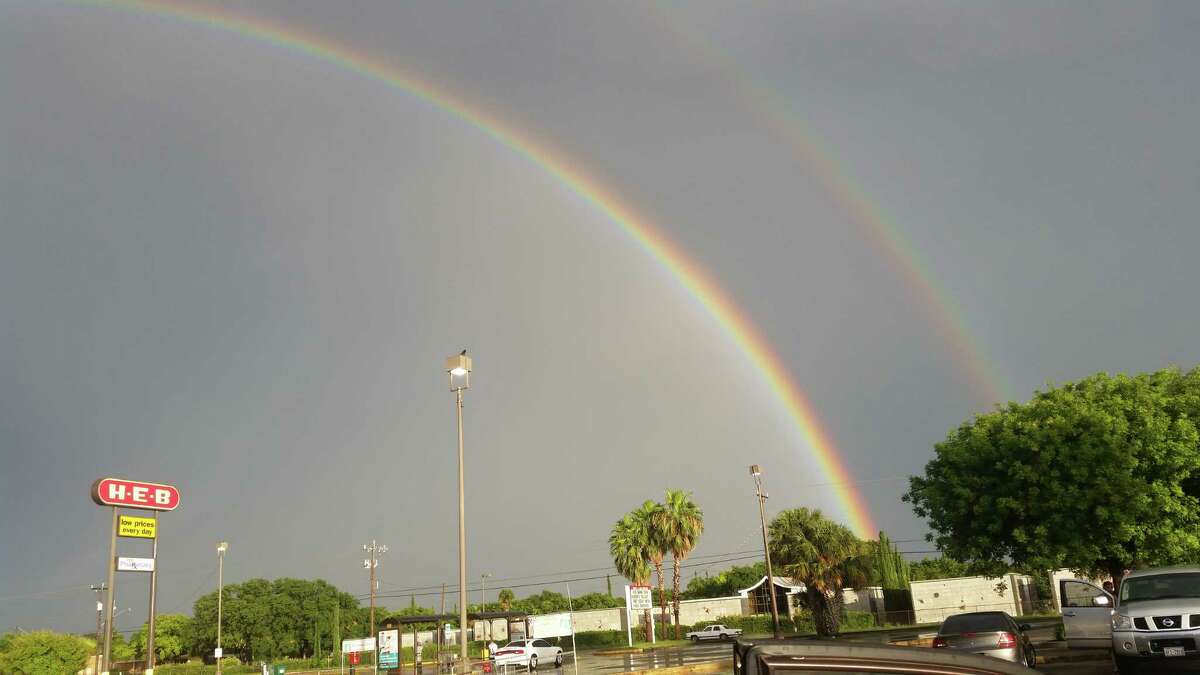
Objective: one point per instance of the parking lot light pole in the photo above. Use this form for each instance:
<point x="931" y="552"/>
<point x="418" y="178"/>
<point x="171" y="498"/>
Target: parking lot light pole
<point x="221" y="548"/>
<point x="459" y="369"/>
<point x="756" y="473"/>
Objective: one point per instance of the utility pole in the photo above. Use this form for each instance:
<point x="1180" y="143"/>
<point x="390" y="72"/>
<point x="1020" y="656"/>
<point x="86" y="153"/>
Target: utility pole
<point x="441" y="633"/>
<point x="374" y="550"/>
<point x="483" y="607"/>
<point x="756" y="472"/>
<point x="99" y="622"/>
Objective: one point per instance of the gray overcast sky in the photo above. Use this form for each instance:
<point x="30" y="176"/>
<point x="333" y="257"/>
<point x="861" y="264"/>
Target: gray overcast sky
<point x="239" y="268"/>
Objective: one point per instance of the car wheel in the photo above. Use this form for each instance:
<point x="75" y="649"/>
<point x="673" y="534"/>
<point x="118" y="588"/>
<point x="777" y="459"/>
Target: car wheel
<point x="724" y="637"/>
<point x="558" y="660"/>
<point x="533" y="662"/>
<point x="695" y="639"/>
<point x="1031" y="658"/>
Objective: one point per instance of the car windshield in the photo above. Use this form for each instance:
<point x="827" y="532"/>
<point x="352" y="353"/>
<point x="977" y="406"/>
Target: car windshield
<point x="516" y="643"/>
<point x="1161" y="587"/>
<point x="974" y="623"/>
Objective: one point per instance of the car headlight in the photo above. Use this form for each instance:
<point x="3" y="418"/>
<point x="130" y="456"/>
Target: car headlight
<point x="1122" y="622"/>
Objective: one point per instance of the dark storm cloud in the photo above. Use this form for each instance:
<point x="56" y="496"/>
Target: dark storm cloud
<point x="239" y="268"/>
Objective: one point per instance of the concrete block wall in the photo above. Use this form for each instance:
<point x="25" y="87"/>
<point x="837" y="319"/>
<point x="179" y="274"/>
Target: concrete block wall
<point x="709" y="609"/>
<point x="937" y="599"/>
<point x="599" y="619"/>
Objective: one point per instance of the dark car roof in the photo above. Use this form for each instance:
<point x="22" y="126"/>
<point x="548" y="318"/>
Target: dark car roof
<point x="975" y="622"/>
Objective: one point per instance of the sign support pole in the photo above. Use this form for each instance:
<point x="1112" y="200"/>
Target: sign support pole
<point x="153" y="600"/>
<point x="628" y="618"/>
<point x="106" y="663"/>
<point x="571" y="617"/>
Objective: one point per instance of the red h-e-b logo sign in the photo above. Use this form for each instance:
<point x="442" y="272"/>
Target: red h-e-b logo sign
<point x="135" y="494"/>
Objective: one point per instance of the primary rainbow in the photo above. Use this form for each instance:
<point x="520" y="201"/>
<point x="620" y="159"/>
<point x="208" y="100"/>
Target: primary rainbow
<point x="731" y="319"/>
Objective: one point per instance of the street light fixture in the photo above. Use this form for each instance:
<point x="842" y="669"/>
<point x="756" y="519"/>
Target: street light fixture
<point x="222" y="547"/>
<point x="756" y="473"/>
<point x="458" y="367"/>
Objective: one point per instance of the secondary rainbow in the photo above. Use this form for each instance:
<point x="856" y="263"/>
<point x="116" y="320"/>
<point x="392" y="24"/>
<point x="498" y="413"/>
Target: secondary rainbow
<point x="697" y="282"/>
<point x="776" y="115"/>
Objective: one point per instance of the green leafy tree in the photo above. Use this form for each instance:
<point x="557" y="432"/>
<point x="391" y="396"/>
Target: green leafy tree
<point x="44" y="653"/>
<point x="680" y="522"/>
<point x="629" y="545"/>
<point x="824" y="556"/>
<point x="1098" y="475"/>
<point x="171" y="638"/>
<point x="937" y="568"/>
<point x="505" y="598"/>
<point x="886" y="567"/>
<point x="727" y="582"/>
<point x="282" y="618"/>
<point x="597" y="601"/>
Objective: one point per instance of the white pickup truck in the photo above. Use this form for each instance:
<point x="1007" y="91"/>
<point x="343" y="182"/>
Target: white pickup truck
<point x="714" y="632"/>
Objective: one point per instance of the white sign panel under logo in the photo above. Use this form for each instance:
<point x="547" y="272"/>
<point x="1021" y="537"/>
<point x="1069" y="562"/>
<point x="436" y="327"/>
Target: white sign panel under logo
<point x="362" y="645"/>
<point x="135" y="564"/>
<point x="640" y="598"/>
<point x="550" y="625"/>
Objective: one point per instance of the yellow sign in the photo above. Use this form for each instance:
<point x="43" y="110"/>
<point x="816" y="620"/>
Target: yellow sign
<point x="135" y="526"/>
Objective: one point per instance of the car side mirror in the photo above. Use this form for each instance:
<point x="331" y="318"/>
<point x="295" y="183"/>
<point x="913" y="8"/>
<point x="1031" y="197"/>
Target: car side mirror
<point x="1024" y="627"/>
<point x="1101" y="601"/>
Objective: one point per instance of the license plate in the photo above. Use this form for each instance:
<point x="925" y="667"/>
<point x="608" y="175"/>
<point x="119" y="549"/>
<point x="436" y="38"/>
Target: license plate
<point x="1173" y="651"/>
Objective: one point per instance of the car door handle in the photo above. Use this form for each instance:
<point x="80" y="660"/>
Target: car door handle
<point x="1068" y="613"/>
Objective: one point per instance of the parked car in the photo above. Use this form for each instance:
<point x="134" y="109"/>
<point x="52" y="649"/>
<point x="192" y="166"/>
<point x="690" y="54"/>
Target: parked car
<point x="768" y="657"/>
<point x="714" y="632"/>
<point x="528" y="653"/>
<point x="1153" y="625"/>
<point x="993" y="634"/>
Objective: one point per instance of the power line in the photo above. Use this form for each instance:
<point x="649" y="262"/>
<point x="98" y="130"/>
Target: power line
<point x="559" y="581"/>
<point x="557" y="574"/>
<point x="39" y="594"/>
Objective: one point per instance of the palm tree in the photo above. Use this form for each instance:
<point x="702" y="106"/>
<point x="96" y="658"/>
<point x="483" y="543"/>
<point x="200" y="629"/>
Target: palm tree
<point x="629" y="546"/>
<point x="824" y="556"/>
<point x="505" y="599"/>
<point x="681" y="523"/>
<point x="650" y="514"/>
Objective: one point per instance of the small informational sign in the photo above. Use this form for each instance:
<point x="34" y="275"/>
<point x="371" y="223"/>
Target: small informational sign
<point x="640" y="598"/>
<point x="366" y="644"/>
<point x="135" y="564"/>
<point x="137" y="526"/>
<point x="389" y="649"/>
<point x="218" y="653"/>
<point x="550" y="625"/>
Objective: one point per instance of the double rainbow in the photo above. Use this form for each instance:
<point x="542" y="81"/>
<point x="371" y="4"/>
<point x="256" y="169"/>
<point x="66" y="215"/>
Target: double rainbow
<point x="722" y="307"/>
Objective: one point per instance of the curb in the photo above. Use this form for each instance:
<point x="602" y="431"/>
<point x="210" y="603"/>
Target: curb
<point x="620" y="652"/>
<point x="722" y="666"/>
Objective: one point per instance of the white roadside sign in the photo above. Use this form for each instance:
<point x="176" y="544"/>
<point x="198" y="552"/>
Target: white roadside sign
<point x="135" y="564"/>
<point x="640" y="598"/>
<point x="361" y="645"/>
